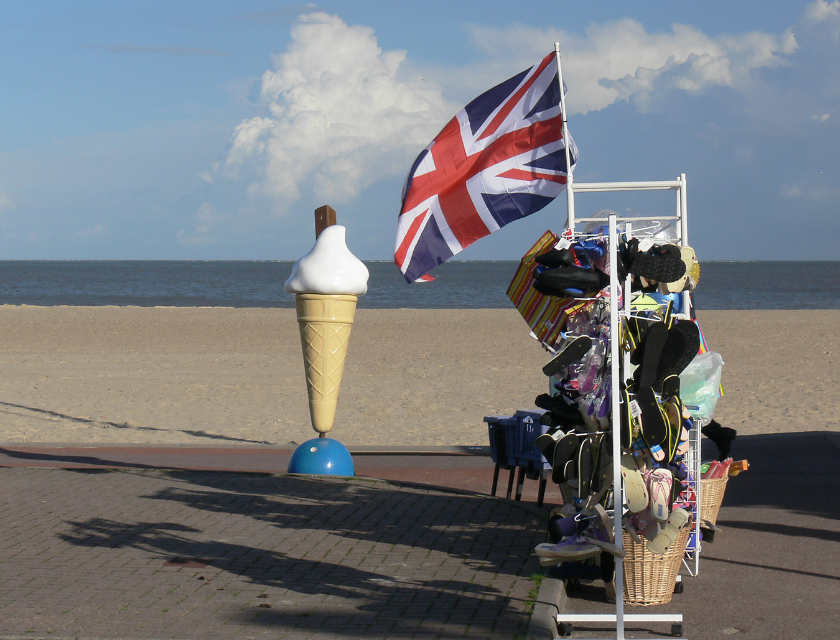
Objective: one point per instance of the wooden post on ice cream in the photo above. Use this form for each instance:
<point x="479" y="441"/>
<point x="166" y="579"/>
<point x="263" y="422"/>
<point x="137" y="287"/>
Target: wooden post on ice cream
<point x="324" y="217"/>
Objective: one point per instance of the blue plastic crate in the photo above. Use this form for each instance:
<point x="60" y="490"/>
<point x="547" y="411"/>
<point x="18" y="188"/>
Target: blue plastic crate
<point x="529" y="428"/>
<point x="503" y="435"/>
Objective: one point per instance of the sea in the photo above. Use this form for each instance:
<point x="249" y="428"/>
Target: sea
<point x="457" y="284"/>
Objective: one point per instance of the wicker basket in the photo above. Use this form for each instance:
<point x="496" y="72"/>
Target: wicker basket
<point x="649" y="579"/>
<point x="711" y="497"/>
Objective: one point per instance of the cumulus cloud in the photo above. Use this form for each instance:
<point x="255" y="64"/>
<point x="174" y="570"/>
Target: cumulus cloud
<point x="338" y="117"/>
<point x="621" y="60"/>
<point x="339" y="113"/>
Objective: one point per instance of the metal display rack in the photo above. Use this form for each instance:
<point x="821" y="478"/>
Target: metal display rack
<point x="565" y="621"/>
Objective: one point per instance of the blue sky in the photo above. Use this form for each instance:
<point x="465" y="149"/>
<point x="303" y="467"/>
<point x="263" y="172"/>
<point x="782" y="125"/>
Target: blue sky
<point x="211" y="130"/>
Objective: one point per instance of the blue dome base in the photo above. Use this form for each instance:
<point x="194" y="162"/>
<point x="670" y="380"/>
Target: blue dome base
<point x="323" y="457"/>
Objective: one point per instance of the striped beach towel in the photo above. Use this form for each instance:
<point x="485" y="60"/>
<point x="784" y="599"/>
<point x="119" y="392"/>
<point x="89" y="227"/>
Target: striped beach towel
<point x="546" y="315"/>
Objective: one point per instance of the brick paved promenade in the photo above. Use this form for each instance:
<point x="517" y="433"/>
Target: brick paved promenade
<point x="191" y="554"/>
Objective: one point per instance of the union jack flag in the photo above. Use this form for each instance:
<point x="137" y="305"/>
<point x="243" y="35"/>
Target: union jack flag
<point x="501" y="158"/>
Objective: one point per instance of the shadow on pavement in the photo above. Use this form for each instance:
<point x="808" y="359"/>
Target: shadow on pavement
<point x="490" y="541"/>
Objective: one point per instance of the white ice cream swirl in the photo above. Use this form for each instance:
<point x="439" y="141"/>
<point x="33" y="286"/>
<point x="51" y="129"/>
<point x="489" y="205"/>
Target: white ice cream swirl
<point x="329" y="267"/>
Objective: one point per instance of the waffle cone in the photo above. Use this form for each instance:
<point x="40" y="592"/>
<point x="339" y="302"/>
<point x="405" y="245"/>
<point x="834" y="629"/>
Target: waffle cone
<point x="325" y="322"/>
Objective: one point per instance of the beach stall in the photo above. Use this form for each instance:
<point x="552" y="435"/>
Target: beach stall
<point x="609" y="298"/>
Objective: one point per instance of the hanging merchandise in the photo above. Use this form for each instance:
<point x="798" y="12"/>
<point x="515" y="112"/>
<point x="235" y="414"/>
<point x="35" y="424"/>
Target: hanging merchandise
<point x="700" y="385"/>
<point x="654" y="424"/>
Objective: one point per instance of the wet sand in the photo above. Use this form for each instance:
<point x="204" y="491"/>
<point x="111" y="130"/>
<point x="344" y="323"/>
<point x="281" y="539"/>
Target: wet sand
<point x="203" y="376"/>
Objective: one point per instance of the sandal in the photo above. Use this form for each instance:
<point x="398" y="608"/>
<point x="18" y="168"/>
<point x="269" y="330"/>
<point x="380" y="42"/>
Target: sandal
<point x="649" y="354"/>
<point x="635" y="489"/>
<point x="572" y="351"/>
<point x="563" y="451"/>
<point x="680" y="348"/>
<point x="602" y="472"/>
<point x="660" y="483"/>
<point x="584" y="467"/>
<point x="676" y="522"/>
<point x="654" y="422"/>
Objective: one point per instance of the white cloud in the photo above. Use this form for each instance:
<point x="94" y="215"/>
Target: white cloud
<point x="341" y="113"/>
<point x="339" y="118"/>
<point x="622" y="60"/>
<point x="821" y="10"/>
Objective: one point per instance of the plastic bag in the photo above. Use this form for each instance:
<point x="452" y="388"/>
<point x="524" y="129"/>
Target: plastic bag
<point x="700" y="385"/>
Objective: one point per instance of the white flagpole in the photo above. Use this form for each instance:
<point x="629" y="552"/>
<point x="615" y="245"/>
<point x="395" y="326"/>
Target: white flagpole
<point x="570" y="195"/>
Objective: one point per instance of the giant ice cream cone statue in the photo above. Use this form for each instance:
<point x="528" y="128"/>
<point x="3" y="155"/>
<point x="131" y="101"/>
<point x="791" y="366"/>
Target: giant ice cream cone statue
<point x="326" y="282"/>
<point x="325" y="322"/>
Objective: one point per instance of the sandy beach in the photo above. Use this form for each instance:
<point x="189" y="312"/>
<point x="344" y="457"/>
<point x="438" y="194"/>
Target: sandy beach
<point x="204" y="376"/>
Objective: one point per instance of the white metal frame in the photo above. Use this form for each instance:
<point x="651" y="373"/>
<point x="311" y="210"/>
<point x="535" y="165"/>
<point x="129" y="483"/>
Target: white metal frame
<point x="615" y="314"/>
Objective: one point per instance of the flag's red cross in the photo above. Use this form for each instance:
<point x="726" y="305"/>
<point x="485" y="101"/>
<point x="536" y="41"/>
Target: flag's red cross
<point x="453" y="167"/>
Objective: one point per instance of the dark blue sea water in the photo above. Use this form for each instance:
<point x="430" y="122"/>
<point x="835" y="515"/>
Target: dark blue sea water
<point x="465" y="285"/>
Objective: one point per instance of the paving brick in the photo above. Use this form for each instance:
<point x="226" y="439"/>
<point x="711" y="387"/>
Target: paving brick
<point x="335" y="557"/>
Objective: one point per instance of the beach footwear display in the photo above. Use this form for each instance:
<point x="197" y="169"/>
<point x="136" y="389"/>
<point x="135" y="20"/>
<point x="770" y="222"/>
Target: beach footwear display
<point x="649" y="354"/>
<point x="554" y="258"/>
<point x="584" y="467"/>
<point x="660" y="483"/>
<point x="547" y="441"/>
<point x="570" y="470"/>
<point x="564" y="412"/>
<point x="645" y="524"/>
<point x="673" y="414"/>
<point x="562" y="526"/>
<point x="610" y="547"/>
<point x="569" y="282"/>
<point x="654" y="427"/>
<point x="671" y="386"/>
<point x="602" y="471"/>
<point x="677" y="521"/>
<point x="635" y="488"/>
<point x="628" y="422"/>
<point x="680" y="348"/>
<point x="628" y="524"/>
<point x="572" y="350"/>
<point x="659" y="263"/>
<point x="692" y="270"/>
<point x="574" y="548"/>
<point x="564" y="450"/>
<point x="636" y="328"/>
<point x="558" y="530"/>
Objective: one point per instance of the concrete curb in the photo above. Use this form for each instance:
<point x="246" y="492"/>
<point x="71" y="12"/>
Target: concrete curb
<point x="551" y="600"/>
